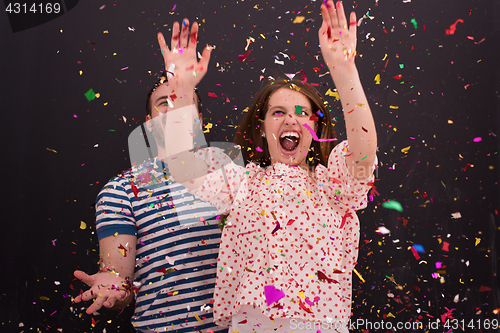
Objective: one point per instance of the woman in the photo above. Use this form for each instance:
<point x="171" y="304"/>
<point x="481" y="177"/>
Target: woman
<point x="290" y="241"/>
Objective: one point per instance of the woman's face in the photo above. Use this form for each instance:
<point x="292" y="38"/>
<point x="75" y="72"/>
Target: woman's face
<point x="287" y="138"/>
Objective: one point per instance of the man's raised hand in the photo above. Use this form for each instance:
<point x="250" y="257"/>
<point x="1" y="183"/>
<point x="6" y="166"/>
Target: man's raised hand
<point x="180" y="59"/>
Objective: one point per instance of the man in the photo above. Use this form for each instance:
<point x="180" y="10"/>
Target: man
<point x="148" y="222"/>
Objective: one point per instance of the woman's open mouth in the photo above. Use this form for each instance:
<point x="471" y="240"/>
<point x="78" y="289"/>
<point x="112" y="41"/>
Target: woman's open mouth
<point x="289" y="141"/>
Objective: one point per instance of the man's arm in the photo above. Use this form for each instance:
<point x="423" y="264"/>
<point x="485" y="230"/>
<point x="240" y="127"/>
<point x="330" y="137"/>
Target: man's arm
<point x="112" y="285"/>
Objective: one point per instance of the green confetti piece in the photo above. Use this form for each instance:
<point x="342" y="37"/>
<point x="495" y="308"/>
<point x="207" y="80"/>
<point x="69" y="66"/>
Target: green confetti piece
<point x="90" y="95"/>
<point x="298" y="109"/>
<point x="393" y="205"/>
<point x="401" y="66"/>
<point x="111" y="130"/>
<point x="364" y="157"/>
<point x="414" y="23"/>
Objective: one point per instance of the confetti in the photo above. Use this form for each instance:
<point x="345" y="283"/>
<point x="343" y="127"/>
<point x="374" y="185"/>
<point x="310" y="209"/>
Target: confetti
<point x="315" y="137"/>
<point x="299" y="19"/>
<point x="90" y="95"/>
<point x="392" y="204"/>
<point x="272" y="294"/>
<point x="453" y="27"/>
<point x="83" y="225"/>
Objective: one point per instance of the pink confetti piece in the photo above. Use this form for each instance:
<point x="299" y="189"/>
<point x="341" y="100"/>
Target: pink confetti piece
<point x="211" y="94"/>
<point x="272" y="294"/>
<point x="173" y="8"/>
<point x="446" y="246"/>
<point x="478" y="139"/>
<point x="415" y="253"/>
<point x="315" y="137"/>
<point x="124" y="68"/>
<point x="259" y="149"/>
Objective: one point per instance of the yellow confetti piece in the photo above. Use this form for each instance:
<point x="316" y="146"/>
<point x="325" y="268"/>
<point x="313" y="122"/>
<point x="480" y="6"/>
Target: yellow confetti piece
<point x="122" y="251"/>
<point x="44" y="298"/>
<point x="384" y="57"/>
<point x="175" y="293"/>
<point x="360" y="105"/>
<point x="299" y="19"/>
<point x="198" y="318"/>
<point x="377" y="79"/>
<point x="394" y="107"/>
<point x="97" y="95"/>
<point x="308" y="193"/>
<point x="208" y="127"/>
<point x="81" y="72"/>
<point x="301" y="294"/>
<point x="268" y="182"/>
<point x="333" y="94"/>
<point x="263" y="213"/>
<point x="478" y="240"/>
<point x="105" y="32"/>
<point x="405" y="150"/>
<point x="359" y="275"/>
<point x="105" y="103"/>
<point x="52" y="150"/>
<point x="83" y="225"/>
<point x="390" y="315"/>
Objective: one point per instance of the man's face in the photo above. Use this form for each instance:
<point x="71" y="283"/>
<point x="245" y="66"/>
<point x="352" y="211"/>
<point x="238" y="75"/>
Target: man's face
<point x="159" y="105"/>
<point x="158" y="101"/>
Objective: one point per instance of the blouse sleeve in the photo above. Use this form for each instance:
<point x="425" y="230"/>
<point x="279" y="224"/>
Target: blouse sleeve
<point x="338" y="183"/>
<point x="224" y="179"/>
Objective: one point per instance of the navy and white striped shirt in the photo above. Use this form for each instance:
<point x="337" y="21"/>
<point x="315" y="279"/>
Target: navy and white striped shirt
<point x="178" y="239"/>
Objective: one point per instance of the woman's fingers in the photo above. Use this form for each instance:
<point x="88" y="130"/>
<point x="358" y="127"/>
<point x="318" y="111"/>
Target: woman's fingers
<point x="96" y="305"/>
<point x="353" y="25"/>
<point x="341" y="16"/>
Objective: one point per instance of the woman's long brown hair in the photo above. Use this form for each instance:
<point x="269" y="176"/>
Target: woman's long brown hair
<point x="249" y="133"/>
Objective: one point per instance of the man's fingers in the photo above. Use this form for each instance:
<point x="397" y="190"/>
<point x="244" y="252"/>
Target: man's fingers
<point x="84" y="277"/>
<point x="174" y="43"/>
<point x="96" y="305"/>
<point x="163" y="45"/>
<point x="184" y="33"/>
<point x="193" y="36"/>
<point x="205" y="58"/>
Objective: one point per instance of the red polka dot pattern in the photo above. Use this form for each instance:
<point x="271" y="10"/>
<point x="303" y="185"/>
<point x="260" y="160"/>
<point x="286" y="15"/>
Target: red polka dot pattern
<point x="287" y="228"/>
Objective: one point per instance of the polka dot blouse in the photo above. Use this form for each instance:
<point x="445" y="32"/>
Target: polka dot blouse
<point x="291" y="238"/>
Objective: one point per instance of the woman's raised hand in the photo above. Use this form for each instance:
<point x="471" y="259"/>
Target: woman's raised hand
<point x="337" y="38"/>
<point x="181" y="60"/>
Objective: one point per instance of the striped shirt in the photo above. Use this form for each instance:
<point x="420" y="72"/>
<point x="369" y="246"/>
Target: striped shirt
<point x="178" y="240"/>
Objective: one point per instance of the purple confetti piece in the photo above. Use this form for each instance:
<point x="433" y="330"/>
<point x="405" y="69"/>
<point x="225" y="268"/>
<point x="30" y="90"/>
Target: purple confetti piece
<point x="478" y="139"/>
<point x="276" y="228"/>
<point x="272" y="294"/>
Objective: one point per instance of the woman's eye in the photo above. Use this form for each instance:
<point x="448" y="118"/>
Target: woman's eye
<point x="305" y="113"/>
<point x="278" y="112"/>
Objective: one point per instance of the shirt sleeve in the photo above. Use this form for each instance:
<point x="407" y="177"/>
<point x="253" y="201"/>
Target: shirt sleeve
<point x="224" y="181"/>
<point x="338" y="183"/>
<point x="114" y="212"/>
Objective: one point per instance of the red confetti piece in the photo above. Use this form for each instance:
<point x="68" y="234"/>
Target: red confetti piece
<point x="344" y="219"/>
<point x="446" y="246"/>
<point x="303" y="307"/>
<point x="314" y="118"/>
<point x="453" y="27"/>
<point x="121" y="247"/>
<point x="211" y="94"/>
<point x="398" y="77"/>
<point x="415" y="254"/>
<point x="242" y="57"/>
<point x="322" y="276"/>
<point x="290" y="222"/>
<point x="135" y="190"/>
